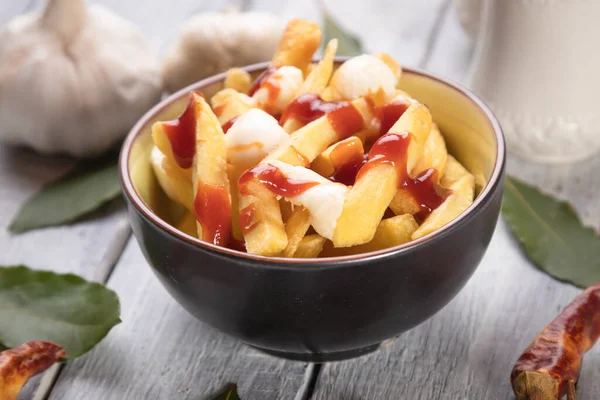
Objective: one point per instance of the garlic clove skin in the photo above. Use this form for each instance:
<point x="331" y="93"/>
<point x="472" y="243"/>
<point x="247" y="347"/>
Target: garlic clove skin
<point x="214" y="42"/>
<point x="73" y="80"/>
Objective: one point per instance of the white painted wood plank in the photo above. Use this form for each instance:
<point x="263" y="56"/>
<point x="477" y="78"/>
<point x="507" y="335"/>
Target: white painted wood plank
<point x="159" y="351"/>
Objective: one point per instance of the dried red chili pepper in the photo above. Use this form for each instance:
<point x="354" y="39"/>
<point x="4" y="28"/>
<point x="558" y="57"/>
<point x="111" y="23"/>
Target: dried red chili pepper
<point x="550" y="366"/>
<point x="24" y="361"/>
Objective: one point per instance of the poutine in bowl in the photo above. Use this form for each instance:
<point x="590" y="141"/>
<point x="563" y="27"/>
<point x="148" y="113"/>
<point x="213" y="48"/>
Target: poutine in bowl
<point x="311" y="211"/>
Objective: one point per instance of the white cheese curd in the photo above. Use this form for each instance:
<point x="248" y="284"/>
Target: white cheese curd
<point x="252" y="136"/>
<point x="324" y="201"/>
<point x="363" y="74"/>
<point x="288" y="79"/>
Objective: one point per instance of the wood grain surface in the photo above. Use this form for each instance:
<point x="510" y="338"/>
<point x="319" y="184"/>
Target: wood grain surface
<point x="466" y="351"/>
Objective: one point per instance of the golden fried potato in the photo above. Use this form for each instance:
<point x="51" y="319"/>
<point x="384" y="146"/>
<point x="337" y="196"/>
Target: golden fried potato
<point x="374" y="190"/>
<point x="456" y="203"/>
<point x="337" y="155"/>
<point x="310" y="246"/>
<point x="187" y="224"/>
<point x="434" y="154"/>
<point x="453" y="172"/>
<point x="238" y="80"/>
<point x="229" y="104"/>
<point x="234" y="172"/>
<point x="390" y="232"/>
<point x="314" y="138"/>
<point x="390" y="62"/>
<point x="175" y="181"/>
<point x="299" y="42"/>
<point x="316" y="81"/>
<point x="262" y="226"/>
<point x="212" y="201"/>
<point x="296" y="227"/>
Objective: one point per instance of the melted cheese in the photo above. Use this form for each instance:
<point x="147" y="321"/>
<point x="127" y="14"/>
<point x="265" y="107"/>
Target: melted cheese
<point x="280" y="89"/>
<point x="252" y="136"/>
<point x="363" y="74"/>
<point x="324" y="201"/>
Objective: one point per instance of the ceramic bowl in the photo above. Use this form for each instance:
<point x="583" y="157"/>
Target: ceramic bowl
<point x="322" y="309"/>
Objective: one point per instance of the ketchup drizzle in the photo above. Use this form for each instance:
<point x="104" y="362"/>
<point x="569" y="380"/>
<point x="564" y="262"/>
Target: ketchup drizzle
<point x="260" y="79"/>
<point x="347" y="160"/>
<point x="181" y="132"/>
<point x="393" y="149"/>
<point x="388" y="114"/>
<point x="274" y="180"/>
<point x="308" y="107"/>
<point x="248" y="218"/>
<point x="229" y="124"/>
<point x="343" y="116"/>
<point x="212" y="208"/>
<point x="426" y="192"/>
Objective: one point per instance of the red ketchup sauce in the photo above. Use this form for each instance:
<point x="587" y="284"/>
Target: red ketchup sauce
<point x="248" y="218"/>
<point x="393" y="149"/>
<point x="343" y="116"/>
<point x="212" y="209"/>
<point x="181" y="132"/>
<point x="272" y="178"/>
<point x="388" y="114"/>
<point x="229" y="124"/>
<point x="426" y="192"/>
<point x="347" y="160"/>
<point x="260" y="80"/>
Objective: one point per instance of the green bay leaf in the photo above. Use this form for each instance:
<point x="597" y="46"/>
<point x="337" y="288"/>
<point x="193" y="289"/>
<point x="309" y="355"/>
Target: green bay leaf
<point x="552" y="234"/>
<point x="60" y="308"/>
<point x="348" y="44"/>
<point x="229" y="394"/>
<point x="89" y="185"/>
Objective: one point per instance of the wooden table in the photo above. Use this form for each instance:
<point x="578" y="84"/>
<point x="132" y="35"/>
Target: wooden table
<point x="160" y="352"/>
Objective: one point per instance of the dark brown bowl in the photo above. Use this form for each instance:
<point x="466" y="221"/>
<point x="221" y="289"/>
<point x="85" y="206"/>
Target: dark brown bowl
<point x="332" y="308"/>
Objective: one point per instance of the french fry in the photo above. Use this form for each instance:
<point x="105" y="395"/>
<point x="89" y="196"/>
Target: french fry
<point x="373" y="191"/>
<point x="404" y="203"/>
<point x="161" y="141"/>
<point x="316" y="81"/>
<point x="299" y="42"/>
<point x="337" y="155"/>
<point x="296" y="227"/>
<point x="286" y="209"/>
<point x="238" y="80"/>
<point x="175" y="181"/>
<point x="229" y="103"/>
<point x="263" y="228"/>
<point x="456" y="203"/>
<point x="310" y="246"/>
<point x="212" y="200"/>
<point x="187" y="224"/>
<point x="234" y="172"/>
<point x="390" y="232"/>
<point x="313" y="138"/>
<point x="434" y="156"/>
<point x="453" y="172"/>
<point x="390" y="62"/>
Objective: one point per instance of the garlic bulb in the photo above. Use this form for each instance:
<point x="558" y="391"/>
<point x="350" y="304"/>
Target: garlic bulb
<point x="214" y="42"/>
<point x="73" y="79"/>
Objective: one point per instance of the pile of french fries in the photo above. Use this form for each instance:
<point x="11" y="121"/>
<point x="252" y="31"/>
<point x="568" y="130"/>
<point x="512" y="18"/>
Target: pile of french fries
<point x="262" y="185"/>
